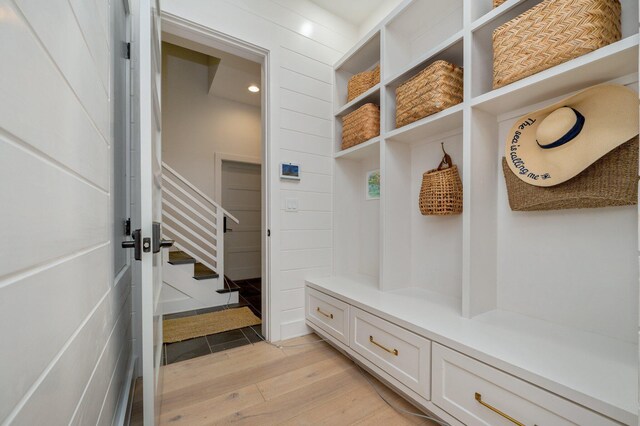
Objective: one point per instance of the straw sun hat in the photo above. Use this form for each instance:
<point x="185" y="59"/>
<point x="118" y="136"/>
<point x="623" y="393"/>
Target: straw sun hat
<point x="556" y="143"/>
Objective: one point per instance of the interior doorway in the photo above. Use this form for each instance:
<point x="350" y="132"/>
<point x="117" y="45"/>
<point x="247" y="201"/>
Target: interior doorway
<point x="241" y="193"/>
<point x="214" y="113"/>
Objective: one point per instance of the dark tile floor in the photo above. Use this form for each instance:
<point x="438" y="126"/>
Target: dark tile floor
<point x="250" y="295"/>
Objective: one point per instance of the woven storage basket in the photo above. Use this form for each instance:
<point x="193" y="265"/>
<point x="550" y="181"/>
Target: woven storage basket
<point x="441" y="190"/>
<point x="361" y="82"/>
<point x="553" y="32"/>
<point x="610" y="181"/>
<point x="497" y="3"/>
<point x="433" y="89"/>
<point x="360" y="125"/>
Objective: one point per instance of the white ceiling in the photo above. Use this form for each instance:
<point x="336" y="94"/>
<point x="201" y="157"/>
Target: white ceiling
<point x="353" y="11"/>
<point x="233" y="76"/>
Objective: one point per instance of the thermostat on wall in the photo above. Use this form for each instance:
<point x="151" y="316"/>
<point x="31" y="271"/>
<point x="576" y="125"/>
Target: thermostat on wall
<point x="289" y="171"/>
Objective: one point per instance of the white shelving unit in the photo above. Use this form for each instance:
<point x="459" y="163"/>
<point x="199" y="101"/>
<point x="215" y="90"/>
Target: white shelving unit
<point x="422" y="24"/>
<point x="562" y="286"/>
<point x="363" y="57"/>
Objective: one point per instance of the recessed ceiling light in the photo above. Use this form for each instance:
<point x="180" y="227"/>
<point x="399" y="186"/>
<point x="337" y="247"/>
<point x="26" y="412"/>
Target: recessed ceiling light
<point x="253" y="88"/>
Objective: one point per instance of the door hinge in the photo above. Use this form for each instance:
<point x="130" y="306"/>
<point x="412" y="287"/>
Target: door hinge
<point x="268" y="232"/>
<point x="128" y="51"/>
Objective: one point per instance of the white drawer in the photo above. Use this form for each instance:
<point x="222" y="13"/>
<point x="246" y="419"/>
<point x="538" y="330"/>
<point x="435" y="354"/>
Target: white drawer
<point x="401" y="353"/>
<point x="461" y="385"/>
<point x="328" y="313"/>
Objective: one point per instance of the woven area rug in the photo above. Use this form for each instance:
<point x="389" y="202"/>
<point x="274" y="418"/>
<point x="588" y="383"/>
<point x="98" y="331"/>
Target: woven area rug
<point x="179" y="329"/>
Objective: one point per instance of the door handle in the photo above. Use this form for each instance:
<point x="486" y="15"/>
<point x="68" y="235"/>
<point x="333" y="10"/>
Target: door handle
<point x="136" y="244"/>
<point x="224" y="226"/>
<point x="166" y="243"/>
<point x="158" y="241"/>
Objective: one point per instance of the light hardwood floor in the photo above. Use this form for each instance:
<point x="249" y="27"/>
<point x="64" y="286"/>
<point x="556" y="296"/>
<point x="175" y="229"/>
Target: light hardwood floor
<point x="262" y="385"/>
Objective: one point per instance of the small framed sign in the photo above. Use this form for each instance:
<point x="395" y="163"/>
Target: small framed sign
<point x="289" y="171"/>
<point x="372" y="185"/>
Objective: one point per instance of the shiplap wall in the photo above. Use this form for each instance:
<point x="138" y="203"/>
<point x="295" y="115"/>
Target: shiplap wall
<point x="304" y="42"/>
<point x="65" y="327"/>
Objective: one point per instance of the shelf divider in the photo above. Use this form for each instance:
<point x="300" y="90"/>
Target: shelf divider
<point x="360" y="151"/>
<point x="444" y="121"/>
<point x="605" y="64"/>
<point x="371" y="95"/>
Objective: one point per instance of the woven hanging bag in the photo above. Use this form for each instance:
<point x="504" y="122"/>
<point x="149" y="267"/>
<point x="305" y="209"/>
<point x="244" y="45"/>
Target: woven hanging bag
<point x="441" y="191"/>
<point x="610" y="181"/>
<point x="550" y="33"/>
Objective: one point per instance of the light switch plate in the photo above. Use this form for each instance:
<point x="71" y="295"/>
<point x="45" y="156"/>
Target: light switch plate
<point x="291" y="204"/>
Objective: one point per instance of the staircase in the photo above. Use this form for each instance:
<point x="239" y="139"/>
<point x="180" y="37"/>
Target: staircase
<point x="193" y="272"/>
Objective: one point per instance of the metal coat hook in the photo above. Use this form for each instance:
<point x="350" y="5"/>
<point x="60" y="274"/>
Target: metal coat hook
<point x="446" y="159"/>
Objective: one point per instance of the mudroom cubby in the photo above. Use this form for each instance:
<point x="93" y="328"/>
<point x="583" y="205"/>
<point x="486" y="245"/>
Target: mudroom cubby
<point x="603" y="64"/>
<point x="356" y="218"/>
<point x="567" y="267"/>
<point x="549" y="297"/>
<point x="483" y="10"/>
<point x="420" y="28"/>
<point x="365" y="57"/>
<point x="419" y="252"/>
<point x="451" y="51"/>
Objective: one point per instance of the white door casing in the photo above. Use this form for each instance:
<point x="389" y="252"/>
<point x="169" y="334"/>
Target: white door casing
<point x="173" y="25"/>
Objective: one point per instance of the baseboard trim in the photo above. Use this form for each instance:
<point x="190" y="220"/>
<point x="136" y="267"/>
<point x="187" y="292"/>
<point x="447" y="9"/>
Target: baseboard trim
<point x="123" y="413"/>
<point x="292" y="329"/>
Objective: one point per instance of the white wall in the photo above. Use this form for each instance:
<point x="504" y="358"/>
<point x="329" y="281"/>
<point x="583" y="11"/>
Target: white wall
<point x="303" y="42"/>
<point x="377" y="15"/>
<point x="197" y="125"/>
<point x="65" y="327"/>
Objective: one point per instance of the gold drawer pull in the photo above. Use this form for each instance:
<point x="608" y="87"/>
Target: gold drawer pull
<point x="391" y="351"/>
<point x="495" y="410"/>
<point x="324" y="313"/>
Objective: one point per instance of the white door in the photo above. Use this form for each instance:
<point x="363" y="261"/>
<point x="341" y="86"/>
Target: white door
<point x="121" y="145"/>
<point x="146" y="64"/>
<point x="241" y="196"/>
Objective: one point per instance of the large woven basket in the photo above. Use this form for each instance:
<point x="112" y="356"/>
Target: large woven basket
<point x="441" y="190"/>
<point x="497" y="3"/>
<point x="610" y="181"/>
<point x="437" y="87"/>
<point x="361" y="82"/>
<point x="360" y="125"/>
<point x="553" y="32"/>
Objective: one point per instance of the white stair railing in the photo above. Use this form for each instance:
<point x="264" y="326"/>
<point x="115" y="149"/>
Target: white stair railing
<point x="193" y="220"/>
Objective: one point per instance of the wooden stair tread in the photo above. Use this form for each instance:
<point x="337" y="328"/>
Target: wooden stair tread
<point x="180" y="258"/>
<point x="202" y="272"/>
<point x="229" y="287"/>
